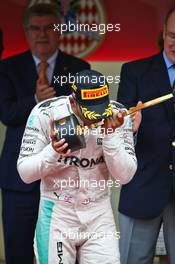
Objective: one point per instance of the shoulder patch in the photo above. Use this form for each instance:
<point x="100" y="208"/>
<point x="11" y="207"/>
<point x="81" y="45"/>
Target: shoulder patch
<point x="47" y="103"/>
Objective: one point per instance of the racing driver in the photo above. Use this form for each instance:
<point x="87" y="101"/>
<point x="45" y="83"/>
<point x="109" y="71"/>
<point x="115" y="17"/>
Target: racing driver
<point x="75" y="218"/>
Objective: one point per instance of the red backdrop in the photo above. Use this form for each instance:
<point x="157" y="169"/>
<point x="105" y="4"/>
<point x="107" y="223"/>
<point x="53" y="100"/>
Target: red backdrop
<point x="141" y="22"/>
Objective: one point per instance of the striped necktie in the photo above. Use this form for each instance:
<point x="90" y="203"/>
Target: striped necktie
<point x="43" y="72"/>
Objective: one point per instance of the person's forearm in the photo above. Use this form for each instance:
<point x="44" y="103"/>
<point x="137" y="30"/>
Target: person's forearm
<point x="34" y="167"/>
<point x="16" y="112"/>
<point x="120" y="156"/>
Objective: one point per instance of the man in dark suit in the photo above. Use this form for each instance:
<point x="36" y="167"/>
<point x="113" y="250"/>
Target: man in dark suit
<point x="20" y="90"/>
<point x="148" y="200"/>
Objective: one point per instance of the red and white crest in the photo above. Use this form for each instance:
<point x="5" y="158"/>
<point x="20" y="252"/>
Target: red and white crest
<point x="82" y="44"/>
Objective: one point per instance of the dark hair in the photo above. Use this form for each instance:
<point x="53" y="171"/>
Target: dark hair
<point x="171" y="10"/>
<point x="42" y="9"/>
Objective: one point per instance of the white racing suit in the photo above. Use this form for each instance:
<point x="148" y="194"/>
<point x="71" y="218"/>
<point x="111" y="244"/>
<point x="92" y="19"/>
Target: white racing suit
<point x="75" y="215"/>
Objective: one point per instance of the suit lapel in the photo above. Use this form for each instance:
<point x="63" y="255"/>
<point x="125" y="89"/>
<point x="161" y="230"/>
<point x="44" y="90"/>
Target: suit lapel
<point x="30" y="73"/>
<point x="161" y="81"/>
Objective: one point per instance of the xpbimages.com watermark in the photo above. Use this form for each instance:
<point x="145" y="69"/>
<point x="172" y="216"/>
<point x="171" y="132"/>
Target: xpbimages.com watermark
<point x="70" y="79"/>
<point x="86" y="235"/>
<point x="84" y="130"/>
<point x="101" y="28"/>
<point x="62" y="184"/>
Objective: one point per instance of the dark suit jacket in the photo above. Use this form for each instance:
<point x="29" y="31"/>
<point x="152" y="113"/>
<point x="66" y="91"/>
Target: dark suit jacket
<point x="149" y="191"/>
<point x="17" y="88"/>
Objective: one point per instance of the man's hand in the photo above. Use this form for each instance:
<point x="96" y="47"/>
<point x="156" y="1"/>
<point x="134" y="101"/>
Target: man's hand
<point x="111" y="123"/>
<point x="136" y="119"/>
<point x="58" y="145"/>
<point x="43" y="91"/>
